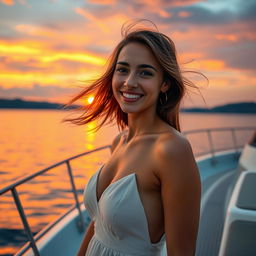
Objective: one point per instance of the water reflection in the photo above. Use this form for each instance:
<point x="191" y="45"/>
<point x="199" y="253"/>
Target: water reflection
<point x="90" y="135"/>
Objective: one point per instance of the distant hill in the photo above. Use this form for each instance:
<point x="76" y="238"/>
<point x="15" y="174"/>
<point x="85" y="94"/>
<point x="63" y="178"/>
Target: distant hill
<point x="23" y="104"/>
<point x="241" y="107"/>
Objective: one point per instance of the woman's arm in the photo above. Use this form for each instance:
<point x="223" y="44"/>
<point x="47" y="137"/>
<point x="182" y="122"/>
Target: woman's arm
<point x="181" y="194"/>
<point x="87" y="238"/>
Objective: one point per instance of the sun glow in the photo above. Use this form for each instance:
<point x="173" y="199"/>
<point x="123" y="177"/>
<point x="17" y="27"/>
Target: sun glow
<point x="90" y="99"/>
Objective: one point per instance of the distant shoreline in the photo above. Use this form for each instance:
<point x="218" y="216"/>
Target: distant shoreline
<point x="24" y="104"/>
<point x="239" y="107"/>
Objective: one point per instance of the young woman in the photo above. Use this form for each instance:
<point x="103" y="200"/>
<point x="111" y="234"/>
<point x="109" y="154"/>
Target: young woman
<point x="148" y="193"/>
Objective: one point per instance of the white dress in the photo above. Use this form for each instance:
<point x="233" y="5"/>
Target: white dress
<point x="121" y="227"/>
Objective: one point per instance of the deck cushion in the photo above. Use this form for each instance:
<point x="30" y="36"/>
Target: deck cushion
<point x="247" y="197"/>
<point x="241" y="239"/>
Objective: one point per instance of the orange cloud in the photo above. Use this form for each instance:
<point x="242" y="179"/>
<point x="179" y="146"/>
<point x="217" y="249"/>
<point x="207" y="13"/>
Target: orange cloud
<point x="17" y="49"/>
<point x="7" y="2"/>
<point x="184" y="14"/>
<point x="103" y="2"/>
<point x="155" y="6"/>
<point x="190" y="56"/>
<point x="11" y="2"/>
<point x="47" y="55"/>
<point x="34" y="30"/>
<point x="181" y="2"/>
<point x="206" y="65"/>
<point x="227" y="37"/>
<point x="75" y="57"/>
<point x="11" y="79"/>
<point x="93" y="19"/>
<point x="163" y="13"/>
<point x="74" y="37"/>
<point x="25" y="63"/>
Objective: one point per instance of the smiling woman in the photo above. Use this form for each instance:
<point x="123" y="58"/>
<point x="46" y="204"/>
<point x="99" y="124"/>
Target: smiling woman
<point x="140" y="199"/>
<point x="105" y="107"/>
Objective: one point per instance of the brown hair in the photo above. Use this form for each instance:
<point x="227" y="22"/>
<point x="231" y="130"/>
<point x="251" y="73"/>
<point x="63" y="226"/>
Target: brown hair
<point x="105" y="106"/>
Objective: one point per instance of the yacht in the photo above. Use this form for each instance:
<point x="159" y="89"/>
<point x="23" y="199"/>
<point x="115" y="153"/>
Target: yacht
<point x="228" y="203"/>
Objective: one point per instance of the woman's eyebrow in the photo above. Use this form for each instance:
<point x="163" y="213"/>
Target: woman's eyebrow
<point x="139" y="66"/>
<point x="147" y="66"/>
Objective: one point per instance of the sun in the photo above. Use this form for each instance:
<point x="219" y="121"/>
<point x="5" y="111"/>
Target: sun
<point x="90" y="99"/>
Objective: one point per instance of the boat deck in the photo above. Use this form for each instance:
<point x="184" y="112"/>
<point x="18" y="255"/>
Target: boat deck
<point x="214" y="193"/>
<point x="217" y="165"/>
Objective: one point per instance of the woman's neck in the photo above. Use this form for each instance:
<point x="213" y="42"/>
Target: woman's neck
<point x="143" y="124"/>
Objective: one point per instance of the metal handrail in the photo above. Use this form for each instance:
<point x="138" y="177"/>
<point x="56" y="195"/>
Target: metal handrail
<point x="17" y="201"/>
<point x="31" y="176"/>
<point x="81" y="226"/>
<point x="212" y="151"/>
<point x="220" y="129"/>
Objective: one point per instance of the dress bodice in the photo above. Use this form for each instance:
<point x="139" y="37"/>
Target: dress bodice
<point x="121" y="226"/>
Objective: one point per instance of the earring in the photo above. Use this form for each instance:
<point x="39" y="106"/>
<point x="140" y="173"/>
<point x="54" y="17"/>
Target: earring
<point x="166" y="99"/>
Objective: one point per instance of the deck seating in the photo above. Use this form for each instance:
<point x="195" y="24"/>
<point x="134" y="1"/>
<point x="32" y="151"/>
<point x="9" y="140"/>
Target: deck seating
<point x="247" y="159"/>
<point x="239" y="236"/>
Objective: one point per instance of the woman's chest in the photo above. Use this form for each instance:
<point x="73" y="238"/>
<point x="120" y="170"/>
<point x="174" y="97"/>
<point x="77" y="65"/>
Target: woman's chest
<point x="138" y="160"/>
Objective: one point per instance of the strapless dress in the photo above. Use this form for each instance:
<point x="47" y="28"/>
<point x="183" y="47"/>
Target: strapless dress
<point x="121" y="227"/>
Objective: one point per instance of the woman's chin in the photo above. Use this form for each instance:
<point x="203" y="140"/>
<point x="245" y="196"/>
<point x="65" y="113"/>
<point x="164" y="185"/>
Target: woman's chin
<point x="129" y="110"/>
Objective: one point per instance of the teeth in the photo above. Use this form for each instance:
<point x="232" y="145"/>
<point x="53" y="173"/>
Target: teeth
<point x="131" y="96"/>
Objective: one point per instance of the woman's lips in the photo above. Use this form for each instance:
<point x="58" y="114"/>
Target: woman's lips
<point x="131" y="97"/>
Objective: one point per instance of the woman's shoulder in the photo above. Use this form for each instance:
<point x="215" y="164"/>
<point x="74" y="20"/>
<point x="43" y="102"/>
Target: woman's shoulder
<point x="173" y="149"/>
<point x="172" y="142"/>
<point x="174" y="161"/>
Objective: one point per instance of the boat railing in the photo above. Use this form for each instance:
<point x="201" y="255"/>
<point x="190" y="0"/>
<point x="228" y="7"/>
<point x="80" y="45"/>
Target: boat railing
<point x="12" y="188"/>
<point x="81" y="225"/>
<point x="212" y="149"/>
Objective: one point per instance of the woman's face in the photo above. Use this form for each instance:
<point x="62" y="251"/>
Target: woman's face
<point x="138" y="79"/>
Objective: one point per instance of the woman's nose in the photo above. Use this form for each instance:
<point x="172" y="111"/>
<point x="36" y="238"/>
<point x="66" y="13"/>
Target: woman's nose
<point x="131" y="80"/>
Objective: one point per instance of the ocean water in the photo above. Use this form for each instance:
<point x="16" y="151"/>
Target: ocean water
<point x="31" y="140"/>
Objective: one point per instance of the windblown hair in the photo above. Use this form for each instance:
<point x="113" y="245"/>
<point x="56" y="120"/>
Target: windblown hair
<point x="105" y="107"/>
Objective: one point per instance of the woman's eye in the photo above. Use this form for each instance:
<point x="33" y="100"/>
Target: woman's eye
<point x="121" y="70"/>
<point x="146" y="73"/>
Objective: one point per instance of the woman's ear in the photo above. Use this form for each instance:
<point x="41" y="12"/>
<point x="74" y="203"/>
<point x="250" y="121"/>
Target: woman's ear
<point x="165" y="87"/>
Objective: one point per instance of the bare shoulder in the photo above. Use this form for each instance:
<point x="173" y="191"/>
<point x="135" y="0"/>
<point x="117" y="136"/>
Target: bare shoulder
<point x="174" y="155"/>
<point x="117" y="139"/>
<point x="173" y="144"/>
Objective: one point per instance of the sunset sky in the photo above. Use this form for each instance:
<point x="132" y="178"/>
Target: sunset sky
<point x="47" y="47"/>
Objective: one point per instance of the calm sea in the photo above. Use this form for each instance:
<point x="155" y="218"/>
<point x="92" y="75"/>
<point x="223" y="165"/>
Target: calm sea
<point x="31" y="140"/>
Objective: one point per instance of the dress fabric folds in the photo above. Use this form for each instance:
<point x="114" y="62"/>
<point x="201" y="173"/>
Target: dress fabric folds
<point x="121" y="227"/>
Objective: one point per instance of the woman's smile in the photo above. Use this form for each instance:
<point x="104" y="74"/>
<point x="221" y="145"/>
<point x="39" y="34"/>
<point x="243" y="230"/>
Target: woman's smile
<point x="131" y="96"/>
